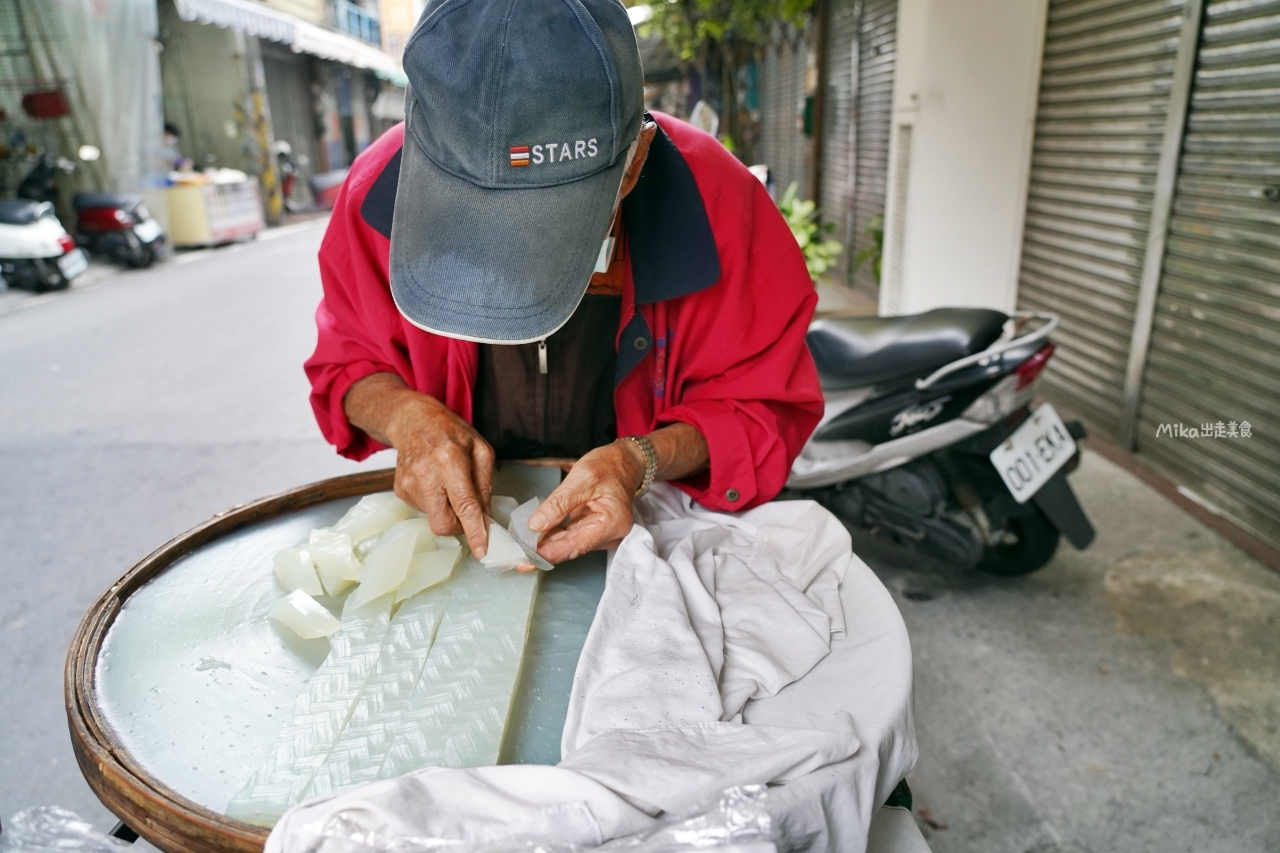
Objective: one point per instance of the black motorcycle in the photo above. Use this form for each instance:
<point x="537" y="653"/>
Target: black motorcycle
<point x="929" y="437"/>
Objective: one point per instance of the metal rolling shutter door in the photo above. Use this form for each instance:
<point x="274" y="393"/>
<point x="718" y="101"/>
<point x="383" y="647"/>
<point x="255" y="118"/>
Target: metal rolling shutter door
<point x="785" y="104"/>
<point x="1215" y="344"/>
<point x="289" y="98"/>
<point x="836" y="193"/>
<point x="768" y="83"/>
<point x="774" y="115"/>
<point x="795" y="143"/>
<point x="877" y="42"/>
<point x="1104" y="92"/>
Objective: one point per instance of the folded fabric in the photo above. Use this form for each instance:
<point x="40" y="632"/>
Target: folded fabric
<point x="706" y="610"/>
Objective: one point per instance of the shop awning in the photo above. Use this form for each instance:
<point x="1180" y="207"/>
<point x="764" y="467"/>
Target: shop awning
<point x="389" y="105"/>
<point x="243" y="16"/>
<point x="254" y="19"/>
<point x="327" y="44"/>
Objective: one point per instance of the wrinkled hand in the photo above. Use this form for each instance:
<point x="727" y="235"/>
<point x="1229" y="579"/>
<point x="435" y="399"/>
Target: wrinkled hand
<point x="596" y="498"/>
<point x="443" y="467"/>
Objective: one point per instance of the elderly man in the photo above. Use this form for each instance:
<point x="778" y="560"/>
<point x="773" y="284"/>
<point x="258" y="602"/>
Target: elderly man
<point x="531" y="266"/>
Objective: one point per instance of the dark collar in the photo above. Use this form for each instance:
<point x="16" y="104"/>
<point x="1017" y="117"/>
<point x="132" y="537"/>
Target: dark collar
<point x="380" y="202"/>
<point x="673" y="252"/>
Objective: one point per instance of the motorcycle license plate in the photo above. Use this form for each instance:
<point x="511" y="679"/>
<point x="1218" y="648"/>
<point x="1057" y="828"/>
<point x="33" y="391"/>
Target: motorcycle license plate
<point x="1033" y="453"/>
<point x="147" y="230"/>
<point x="72" y="264"/>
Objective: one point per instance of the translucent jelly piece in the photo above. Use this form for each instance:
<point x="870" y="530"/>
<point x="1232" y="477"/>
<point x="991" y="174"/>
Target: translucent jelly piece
<point x="428" y="569"/>
<point x="419" y="529"/>
<point x="303" y="615"/>
<point x="504" y="551"/>
<point x="519" y="525"/>
<point x="295" y="570"/>
<point x="373" y="514"/>
<point x="335" y="561"/>
<point x="384" y="569"/>
<point x="501" y="507"/>
<point x="460" y="707"/>
<point x="318" y="716"/>
<point x="360" y="750"/>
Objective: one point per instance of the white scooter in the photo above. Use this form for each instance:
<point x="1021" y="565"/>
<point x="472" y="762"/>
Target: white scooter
<point x="36" y="252"/>
<point x="929" y="438"/>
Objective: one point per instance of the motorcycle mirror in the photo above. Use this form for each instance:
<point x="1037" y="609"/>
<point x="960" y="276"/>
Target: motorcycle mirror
<point x="89" y="153"/>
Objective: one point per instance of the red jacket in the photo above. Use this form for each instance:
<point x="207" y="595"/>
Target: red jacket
<point x="714" y="312"/>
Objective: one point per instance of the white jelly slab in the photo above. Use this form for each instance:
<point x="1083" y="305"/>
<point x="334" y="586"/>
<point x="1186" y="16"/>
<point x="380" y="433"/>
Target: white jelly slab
<point x="197" y="681"/>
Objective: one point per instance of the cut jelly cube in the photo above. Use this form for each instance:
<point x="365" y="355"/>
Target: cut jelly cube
<point x="504" y="551"/>
<point x="331" y="552"/>
<point x="519" y="525"/>
<point x="303" y="615"/>
<point x="317" y="718"/>
<point x="373" y="514"/>
<point x="385" y="569"/>
<point x="501" y="508"/>
<point x="419" y="529"/>
<point x="295" y="570"/>
<point x="428" y="569"/>
<point x="460" y="708"/>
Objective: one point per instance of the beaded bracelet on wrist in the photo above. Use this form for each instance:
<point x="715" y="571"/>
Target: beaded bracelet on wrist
<point x="650" y="461"/>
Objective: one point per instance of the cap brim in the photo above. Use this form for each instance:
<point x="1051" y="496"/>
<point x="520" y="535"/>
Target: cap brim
<point x="493" y="265"/>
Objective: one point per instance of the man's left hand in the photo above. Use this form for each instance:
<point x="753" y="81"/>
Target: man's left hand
<point x="595" y="497"/>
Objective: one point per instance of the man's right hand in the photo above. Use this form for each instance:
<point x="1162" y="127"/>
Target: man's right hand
<point x="443" y="466"/>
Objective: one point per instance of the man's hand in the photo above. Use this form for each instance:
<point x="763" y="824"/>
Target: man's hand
<point x="596" y="496"/>
<point x="443" y="466"/>
<point x="596" y="499"/>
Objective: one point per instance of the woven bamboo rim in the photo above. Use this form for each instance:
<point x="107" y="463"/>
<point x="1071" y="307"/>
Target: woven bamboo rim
<point x="156" y="812"/>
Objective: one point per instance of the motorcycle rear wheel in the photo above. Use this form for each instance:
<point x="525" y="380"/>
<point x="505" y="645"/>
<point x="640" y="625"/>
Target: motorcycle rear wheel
<point x="1036" y="545"/>
<point x="50" y="284"/>
<point x="142" y="258"/>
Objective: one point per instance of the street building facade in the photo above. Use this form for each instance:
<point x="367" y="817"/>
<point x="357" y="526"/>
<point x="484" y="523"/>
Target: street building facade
<point x="322" y="66"/>
<point x="281" y="90"/>
<point x="1115" y="163"/>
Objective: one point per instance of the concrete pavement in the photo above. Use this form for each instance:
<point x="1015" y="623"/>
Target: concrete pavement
<point x="1096" y="706"/>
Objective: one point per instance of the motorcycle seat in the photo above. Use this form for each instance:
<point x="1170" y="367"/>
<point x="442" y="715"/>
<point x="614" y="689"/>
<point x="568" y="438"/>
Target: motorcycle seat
<point x="854" y="352"/>
<point x="20" y="211"/>
<point x="124" y="201"/>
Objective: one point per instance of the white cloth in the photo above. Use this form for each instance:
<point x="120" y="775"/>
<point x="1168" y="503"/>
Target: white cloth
<point x="705" y="616"/>
<point x="894" y="830"/>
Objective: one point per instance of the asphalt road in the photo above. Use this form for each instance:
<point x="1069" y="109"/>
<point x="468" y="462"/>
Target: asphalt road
<point x="1122" y="699"/>
<point x="130" y="412"/>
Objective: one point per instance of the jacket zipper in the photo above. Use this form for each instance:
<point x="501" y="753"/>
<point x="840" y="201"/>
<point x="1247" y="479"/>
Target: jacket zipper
<point x="546" y="392"/>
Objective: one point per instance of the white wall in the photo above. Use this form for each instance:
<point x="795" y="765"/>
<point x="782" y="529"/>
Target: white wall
<point x="967" y="81"/>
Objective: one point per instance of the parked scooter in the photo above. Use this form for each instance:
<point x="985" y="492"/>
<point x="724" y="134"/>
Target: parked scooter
<point x="41" y="182"/>
<point x="36" y="252"/>
<point x="119" y="226"/>
<point x="929" y="438"/>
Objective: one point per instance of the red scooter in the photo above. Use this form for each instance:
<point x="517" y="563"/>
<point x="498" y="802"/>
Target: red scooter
<point x="119" y="226"/>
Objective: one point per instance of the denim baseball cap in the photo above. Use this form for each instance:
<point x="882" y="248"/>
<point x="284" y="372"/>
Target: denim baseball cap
<point x="519" y="117"/>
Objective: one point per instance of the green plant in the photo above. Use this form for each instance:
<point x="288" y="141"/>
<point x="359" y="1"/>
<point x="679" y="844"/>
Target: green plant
<point x="688" y="25"/>
<point x="718" y="38"/>
<point x="874" y="252"/>
<point x="802" y="217"/>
